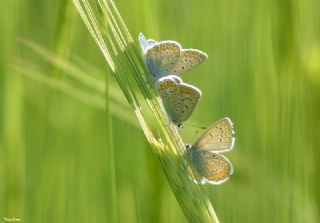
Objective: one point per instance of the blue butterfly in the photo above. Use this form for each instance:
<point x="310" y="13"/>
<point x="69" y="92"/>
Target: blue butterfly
<point x="167" y="57"/>
<point x="179" y="99"/>
<point x="211" y="166"/>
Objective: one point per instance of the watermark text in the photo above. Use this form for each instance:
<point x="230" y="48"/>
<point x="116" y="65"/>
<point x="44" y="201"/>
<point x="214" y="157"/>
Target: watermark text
<point x="10" y="219"/>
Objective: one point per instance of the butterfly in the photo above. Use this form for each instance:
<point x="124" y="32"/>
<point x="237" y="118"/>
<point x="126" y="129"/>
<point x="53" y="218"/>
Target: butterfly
<point x="211" y="166"/>
<point x="179" y="99"/>
<point x="167" y="57"/>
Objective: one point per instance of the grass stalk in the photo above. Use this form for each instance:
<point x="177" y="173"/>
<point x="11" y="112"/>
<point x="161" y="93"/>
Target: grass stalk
<point x="124" y="59"/>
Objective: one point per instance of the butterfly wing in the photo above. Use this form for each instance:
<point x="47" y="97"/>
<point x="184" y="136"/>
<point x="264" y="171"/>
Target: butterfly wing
<point x="217" y="138"/>
<point x="162" y="57"/>
<point x="189" y="58"/>
<point x="146" y="43"/>
<point x="190" y="96"/>
<point x="151" y="43"/>
<point x="214" y="168"/>
<point x="143" y="42"/>
<point x="179" y="99"/>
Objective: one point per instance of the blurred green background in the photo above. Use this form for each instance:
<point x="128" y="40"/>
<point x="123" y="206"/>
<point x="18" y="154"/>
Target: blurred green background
<point x="263" y="72"/>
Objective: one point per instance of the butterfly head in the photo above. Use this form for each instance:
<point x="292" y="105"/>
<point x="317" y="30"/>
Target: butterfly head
<point x="180" y="126"/>
<point x="190" y="149"/>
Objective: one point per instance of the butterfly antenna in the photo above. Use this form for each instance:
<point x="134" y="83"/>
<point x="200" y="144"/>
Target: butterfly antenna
<point x="195" y="125"/>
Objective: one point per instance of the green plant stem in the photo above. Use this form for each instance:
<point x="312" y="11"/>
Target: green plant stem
<point x="124" y="59"/>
